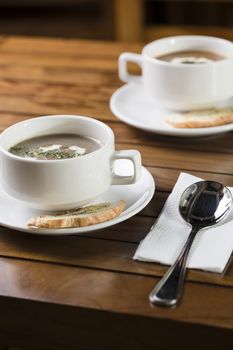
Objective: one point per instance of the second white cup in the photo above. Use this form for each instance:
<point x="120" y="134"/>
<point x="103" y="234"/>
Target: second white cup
<point x="182" y="86"/>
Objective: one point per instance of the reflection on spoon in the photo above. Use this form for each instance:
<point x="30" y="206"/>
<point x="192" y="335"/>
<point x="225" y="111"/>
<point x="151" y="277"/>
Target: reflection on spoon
<point x="204" y="203"/>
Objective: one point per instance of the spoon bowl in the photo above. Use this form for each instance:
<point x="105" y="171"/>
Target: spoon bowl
<point x="205" y="203"/>
<point x="202" y="204"/>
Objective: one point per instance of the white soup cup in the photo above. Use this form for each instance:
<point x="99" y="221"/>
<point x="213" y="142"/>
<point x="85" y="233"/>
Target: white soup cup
<point x="66" y="183"/>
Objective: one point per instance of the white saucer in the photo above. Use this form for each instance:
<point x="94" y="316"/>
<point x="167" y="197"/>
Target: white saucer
<point x="15" y="215"/>
<point x="130" y="104"/>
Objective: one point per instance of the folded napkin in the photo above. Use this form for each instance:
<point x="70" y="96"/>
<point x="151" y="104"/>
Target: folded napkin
<point x="211" y="248"/>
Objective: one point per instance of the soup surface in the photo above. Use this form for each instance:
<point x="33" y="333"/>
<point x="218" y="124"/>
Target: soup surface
<point x="190" y="57"/>
<point x="54" y="147"/>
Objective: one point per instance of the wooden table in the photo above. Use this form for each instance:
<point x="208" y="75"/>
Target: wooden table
<point x="86" y="292"/>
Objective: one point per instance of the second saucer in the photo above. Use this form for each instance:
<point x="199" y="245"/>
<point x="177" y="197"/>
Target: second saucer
<point x="131" y="105"/>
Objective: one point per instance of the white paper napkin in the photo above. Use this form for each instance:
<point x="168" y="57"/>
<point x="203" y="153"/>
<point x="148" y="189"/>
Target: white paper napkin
<point x="211" y="248"/>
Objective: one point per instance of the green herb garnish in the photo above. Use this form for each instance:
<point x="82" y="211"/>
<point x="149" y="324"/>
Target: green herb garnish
<point x="38" y="153"/>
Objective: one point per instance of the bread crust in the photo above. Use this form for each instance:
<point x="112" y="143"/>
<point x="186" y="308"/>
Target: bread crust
<point x="201" y="118"/>
<point x="69" y="220"/>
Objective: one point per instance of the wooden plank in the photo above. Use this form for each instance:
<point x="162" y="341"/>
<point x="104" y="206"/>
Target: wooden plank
<point x="165" y="178"/>
<point x="65" y="47"/>
<point x="43" y="105"/>
<point x="47" y="60"/>
<point x="77" y="90"/>
<point x="102" y="254"/>
<point x="61" y="327"/>
<point x="24" y="97"/>
<point x="217" y="143"/>
<point x="184" y="159"/>
<point x="58" y="74"/>
<point x="115" y="292"/>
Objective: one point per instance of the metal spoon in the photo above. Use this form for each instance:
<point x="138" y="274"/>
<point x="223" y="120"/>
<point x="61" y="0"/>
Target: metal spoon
<point x="202" y="204"/>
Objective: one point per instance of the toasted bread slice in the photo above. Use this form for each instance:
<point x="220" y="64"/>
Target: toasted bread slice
<point x="201" y="118"/>
<point x="79" y="217"/>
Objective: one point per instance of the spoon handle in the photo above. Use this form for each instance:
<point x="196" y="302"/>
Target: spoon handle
<point x="168" y="291"/>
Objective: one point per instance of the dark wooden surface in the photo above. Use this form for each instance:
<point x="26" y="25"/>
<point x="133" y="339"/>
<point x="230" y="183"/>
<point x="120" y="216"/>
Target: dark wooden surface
<point x="86" y="292"/>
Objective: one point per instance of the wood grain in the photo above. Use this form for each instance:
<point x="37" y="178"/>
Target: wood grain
<point x="108" y="251"/>
<point x="184" y="159"/>
<point x="77" y="61"/>
<point x="65" y="46"/>
<point x="95" y="289"/>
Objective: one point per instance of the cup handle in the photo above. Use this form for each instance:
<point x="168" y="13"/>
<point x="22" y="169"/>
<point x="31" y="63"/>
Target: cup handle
<point x="135" y="157"/>
<point x="124" y="75"/>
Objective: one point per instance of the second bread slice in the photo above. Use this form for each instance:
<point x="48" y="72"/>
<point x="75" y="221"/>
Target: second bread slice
<point x="201" y="118"/>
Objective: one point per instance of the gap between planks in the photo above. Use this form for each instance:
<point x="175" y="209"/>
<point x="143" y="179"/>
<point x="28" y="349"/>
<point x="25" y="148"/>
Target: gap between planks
<point x="94" y="252"/>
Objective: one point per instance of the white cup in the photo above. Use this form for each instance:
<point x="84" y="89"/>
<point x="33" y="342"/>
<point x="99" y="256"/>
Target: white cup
<point x="182" y="86"/>
<point x="66" y="183"/>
